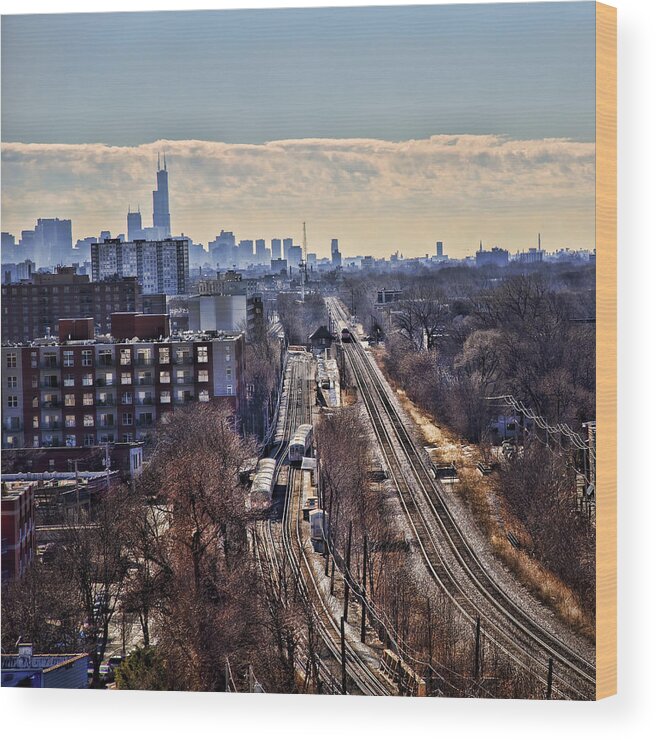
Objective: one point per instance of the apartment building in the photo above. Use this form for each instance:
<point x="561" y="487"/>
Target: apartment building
<point x="31" y="310"/>
<point x="88" y="392"/>
<point x="159" y="266"/>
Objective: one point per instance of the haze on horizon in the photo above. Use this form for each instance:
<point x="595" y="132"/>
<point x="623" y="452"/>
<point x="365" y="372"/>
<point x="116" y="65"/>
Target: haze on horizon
<point x="388" y="127"/>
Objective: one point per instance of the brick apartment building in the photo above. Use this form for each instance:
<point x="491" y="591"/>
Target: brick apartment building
<point x="85" y="392"/>
<point x="31" y="310"/>
<point x="17" y="527"/>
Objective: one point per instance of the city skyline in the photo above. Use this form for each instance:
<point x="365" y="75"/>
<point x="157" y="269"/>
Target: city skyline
<point x="388" y="127"/>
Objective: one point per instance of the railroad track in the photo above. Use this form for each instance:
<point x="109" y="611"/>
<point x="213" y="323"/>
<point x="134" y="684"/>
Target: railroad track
<point x="432" y="524"/>
<point x="361" y="677"/>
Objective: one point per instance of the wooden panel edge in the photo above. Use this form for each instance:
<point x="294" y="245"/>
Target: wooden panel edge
<point x="606" y="336"/>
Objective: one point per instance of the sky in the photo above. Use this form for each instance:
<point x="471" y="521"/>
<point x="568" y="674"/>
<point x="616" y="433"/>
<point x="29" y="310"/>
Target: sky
<point x="388" y="127"/>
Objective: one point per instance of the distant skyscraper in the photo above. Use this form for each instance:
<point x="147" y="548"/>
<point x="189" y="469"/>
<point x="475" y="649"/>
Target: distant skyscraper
<point x="294" y="255"/>
<point x="286" y="245"/>
<point x="53" y="242"/>
<point x="161" y="215"/>
<point x="135" y="229"/>
<point x="222" y="249"/>
<point x="439" y="248"/>
<point x="335" y="254"/>
<point x="276" y="249"/>
<point x="260" y="251"/>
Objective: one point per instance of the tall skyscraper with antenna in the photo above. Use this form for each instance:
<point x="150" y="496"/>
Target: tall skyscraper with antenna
<point x="161" y="215"/>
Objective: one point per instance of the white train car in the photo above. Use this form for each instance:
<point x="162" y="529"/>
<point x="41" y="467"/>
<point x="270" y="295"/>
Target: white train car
<point x="300" y="443"/>
<point x="263" y="482"/>
<point x="318" y="528"/>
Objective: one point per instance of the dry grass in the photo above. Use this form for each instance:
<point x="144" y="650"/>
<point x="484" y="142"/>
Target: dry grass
<point x="491" y="516"/>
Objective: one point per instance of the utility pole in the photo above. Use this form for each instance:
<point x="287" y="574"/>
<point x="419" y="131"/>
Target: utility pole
<point x="77" y="495"/>
<point x="550" y="678"/>
<point x="343" y="645"/>
<point x="347" y="573"/>
<point x="477" y="648"/>
<point x="364" y="591"/>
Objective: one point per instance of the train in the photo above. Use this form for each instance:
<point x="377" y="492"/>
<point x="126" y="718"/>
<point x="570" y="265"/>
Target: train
<point x="300" y="443"/>
<point x="318" y="528"/>
<point x="263" y="482"/>
<point x="346" y="335"/>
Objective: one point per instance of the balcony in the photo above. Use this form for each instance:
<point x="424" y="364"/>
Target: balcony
<point x="51" y="426"/>
<point x="109" y="401"/>
<point x="109" y="424"/>
<point x="144" y="422"/>
<point x="149" y="380"/>
<point x="185" y="380"/>
<point x="15" y="426"/>
<point x="48" y="384"/>
<point x="143" y="361"/>
<point x="183" y="360"/>
<point x="105" y="362"/>
<point x="147" y="401"/>
<point x="186" y="398"/>
<point x="50" y="363"/>
<point x="104" y="383"/>
<point x="51" y="404"/>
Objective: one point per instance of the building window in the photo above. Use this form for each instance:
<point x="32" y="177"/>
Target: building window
<point x="87" y="379"/>
<point x="87" y="358"/>
<point x="203" y="376"/>
<point x="35" y="440"/>
<point x="204" y="395"/>
<point x="126" y="357"/>
<point x="12" y="402"/>
<point x="11" y="359"/>
<point x="105" y="357"/>
<point x="202" y="354"/>
<point x="127" y="419"/>
<point x="68" y="358"/>
<point x="164" y="376"/>
<point x="12" y="381"/>
<point x="126" y="378"/>
<point x="128" y="437"/>
<point x="164" y="355"/>
<point x="165" y="397"/>
<point x="89" y="440"/>
<point x="229" y="390"/>
<point x="69" y="421"/>
<point x="34" y="357"/>
<point x="70" y="440"/>
<point x="228" y="357"/>
<point x="69" y="399"/>
<point x="35" y="381"/>
<point x="126" y="398"/>
<point x="69" y="381"/>
<point x="89" y="421"/>
<point x="35" y="422"/>
<point x="87" y="399"/>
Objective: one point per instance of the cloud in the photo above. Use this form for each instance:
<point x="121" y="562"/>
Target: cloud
<point x="375" y="195"/>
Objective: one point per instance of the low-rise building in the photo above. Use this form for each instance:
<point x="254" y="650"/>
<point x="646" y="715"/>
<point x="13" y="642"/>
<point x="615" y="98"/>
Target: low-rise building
<point x="17" y="525"/>
<point x="25" y="669"/>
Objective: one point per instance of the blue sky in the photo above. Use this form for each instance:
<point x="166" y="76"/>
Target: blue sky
<point x="388" y="127"/>
<point x="525" y="71"/>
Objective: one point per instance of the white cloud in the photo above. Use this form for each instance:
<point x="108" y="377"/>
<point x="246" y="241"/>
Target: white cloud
<point x="375" y="195"/>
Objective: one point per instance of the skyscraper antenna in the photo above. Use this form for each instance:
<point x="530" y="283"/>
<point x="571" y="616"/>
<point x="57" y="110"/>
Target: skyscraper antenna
<point x="539" y="243"/>
<point x="164" y="160"/>
<point x="158" y="162"/>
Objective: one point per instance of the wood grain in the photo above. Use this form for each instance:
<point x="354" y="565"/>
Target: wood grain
<point x="606" y="245"/>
